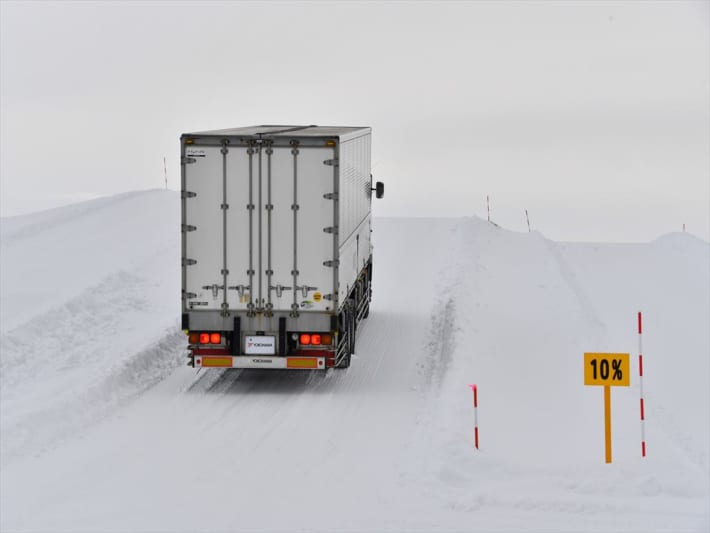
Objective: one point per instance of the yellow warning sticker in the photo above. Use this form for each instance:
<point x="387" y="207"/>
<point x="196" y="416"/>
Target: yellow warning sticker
<point x="317" y="296"/>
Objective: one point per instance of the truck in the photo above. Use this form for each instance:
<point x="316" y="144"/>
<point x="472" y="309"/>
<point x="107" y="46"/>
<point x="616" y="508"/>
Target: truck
<point x="276" y="245"/>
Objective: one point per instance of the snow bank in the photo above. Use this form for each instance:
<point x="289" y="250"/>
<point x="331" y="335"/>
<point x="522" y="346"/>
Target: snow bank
<point x="525" y="310"/>
<point x="89" y="305"/>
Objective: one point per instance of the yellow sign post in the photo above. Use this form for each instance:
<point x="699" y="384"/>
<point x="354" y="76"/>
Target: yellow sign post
<point x="609" y="370"/>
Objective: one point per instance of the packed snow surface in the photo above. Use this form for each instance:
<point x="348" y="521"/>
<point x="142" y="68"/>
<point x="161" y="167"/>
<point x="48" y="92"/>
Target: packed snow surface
<point x="105" y="429"/>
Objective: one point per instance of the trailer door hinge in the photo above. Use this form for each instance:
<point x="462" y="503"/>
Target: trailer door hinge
<point x="187" y="227"/>
<point x="331" y="196"/>
<point x="328" y="297"/>
<point x="331" y="229"/>
<point x="331" y="162"/>
<point x="194" y="304"/>
<point x="329" y="263"/>
<point x="188" y="194"/>
<point x="184" y="160"/>
<point x="188" y="295"/>
<point x="188" y="262"/>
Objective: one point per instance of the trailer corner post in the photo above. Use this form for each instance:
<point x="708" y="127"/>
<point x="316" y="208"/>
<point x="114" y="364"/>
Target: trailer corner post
<point x="225" y="206"/>
<point x="295" y="207"/>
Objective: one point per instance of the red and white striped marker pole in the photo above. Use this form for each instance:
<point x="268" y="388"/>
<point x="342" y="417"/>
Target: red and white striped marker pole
<point x="474" y="388"/>
<point x="643" y="414"/>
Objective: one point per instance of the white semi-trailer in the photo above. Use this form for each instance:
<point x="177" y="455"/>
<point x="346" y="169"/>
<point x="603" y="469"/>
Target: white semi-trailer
<point x="276" y="249"/>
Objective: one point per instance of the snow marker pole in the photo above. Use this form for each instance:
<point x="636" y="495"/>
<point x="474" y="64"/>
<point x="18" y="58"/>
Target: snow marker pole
<point x="643" y="414"/>
<point x="474" y="388"/>
<point x="528" y="219"/>
<point x="488" y="206"/>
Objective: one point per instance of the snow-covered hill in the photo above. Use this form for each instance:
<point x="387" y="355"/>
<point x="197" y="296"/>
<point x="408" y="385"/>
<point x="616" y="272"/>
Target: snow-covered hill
<point x="104" y="429"/>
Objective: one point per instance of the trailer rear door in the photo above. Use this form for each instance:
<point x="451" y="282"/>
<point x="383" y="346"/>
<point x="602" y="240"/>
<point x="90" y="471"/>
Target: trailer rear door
<point x="259" y="228"/>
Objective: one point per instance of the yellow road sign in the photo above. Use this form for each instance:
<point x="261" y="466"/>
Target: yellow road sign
<point x="607" y="369"/>
<point x="610" y="369"/>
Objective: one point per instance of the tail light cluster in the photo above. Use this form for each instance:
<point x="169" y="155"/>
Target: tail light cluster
<point x="315" y="339"/>
<point x="205" y="338"/>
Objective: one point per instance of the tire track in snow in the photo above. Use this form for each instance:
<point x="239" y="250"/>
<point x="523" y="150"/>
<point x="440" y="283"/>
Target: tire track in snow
<point x="443" y="325"/>
<point x="443" y="344"/>
<point x="438" y="349"/>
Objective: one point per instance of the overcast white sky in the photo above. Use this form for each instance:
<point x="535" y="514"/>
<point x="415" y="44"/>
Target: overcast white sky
<point x="593" y="116"/>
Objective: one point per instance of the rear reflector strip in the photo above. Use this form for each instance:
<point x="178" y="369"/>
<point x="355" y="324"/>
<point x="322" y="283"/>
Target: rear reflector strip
<point x="217" y="362"/>
<point x="303" y="362"/>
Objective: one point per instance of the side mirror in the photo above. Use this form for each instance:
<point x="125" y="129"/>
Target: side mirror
<point x="379" y="189"/>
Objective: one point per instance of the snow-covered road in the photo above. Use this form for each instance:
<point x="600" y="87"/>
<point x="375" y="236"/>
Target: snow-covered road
<point x="103" y="429"/>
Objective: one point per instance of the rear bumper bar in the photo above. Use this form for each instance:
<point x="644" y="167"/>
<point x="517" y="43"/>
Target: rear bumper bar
<point x="259" y="361"/>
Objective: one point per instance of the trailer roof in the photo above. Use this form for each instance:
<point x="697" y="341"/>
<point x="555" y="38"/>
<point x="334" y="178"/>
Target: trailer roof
<point x="289" y="131"/>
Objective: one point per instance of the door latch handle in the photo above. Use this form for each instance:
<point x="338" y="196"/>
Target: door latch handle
<point x="305" y="289"/>
<point x="240" y="289"/>
<point x="214" y="288"/>
<point x="279" y="289"/>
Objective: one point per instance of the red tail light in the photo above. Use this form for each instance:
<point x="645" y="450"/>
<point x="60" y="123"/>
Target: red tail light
<point x="315" y="338"/>
<point x="305" y="338"/>
<point x="204" y="338"/>
<point x="215" y="338"/>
